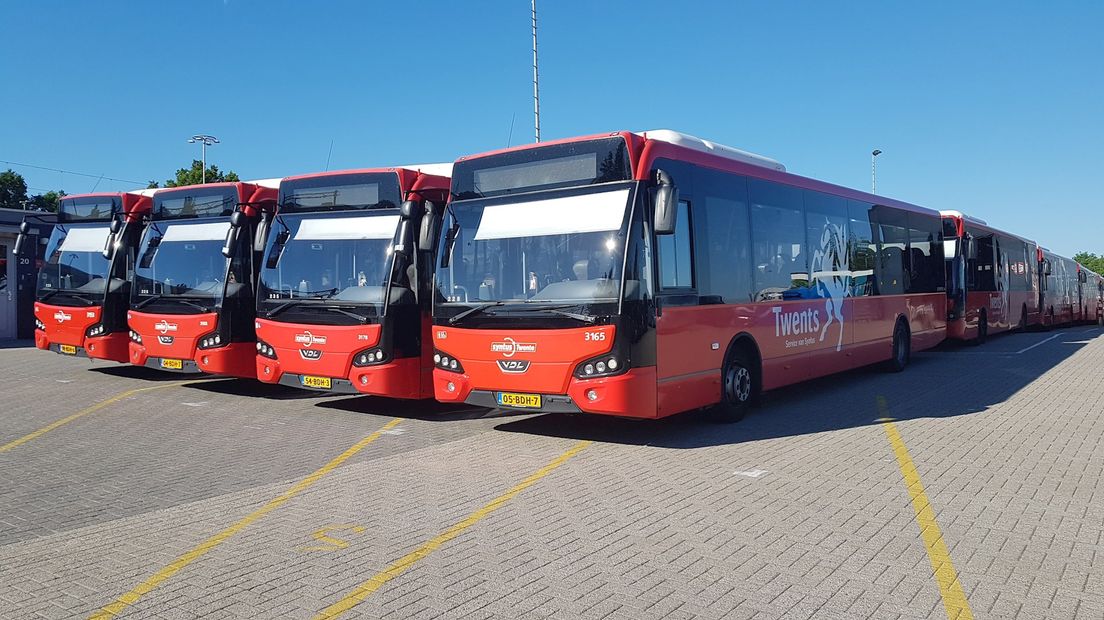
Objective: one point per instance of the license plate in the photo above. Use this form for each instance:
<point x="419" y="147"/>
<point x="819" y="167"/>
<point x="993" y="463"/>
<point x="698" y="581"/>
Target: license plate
<point x="173" y="364"/>
<point x="511" y="399"/>
<point x="316" y="382"/>
<point x="67" y="349"/>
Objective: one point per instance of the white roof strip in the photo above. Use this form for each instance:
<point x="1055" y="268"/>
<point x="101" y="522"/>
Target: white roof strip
<point x="713" y="148"/>
<point x="554" y="216"/>
<point x="211" y="231"/>
<point x="363" y="227"/>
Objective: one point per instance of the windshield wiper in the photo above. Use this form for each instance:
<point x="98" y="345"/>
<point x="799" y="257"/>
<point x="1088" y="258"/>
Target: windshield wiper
<point x="362" y="319"/>
<point x="69" y="293"/>
<point x="153" y="298"/>
<point x="473" y="310"/>
<point x="578" y="316"/>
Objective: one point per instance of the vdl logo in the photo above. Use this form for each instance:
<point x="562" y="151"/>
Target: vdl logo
<point x="310" y="354"/>
<point x="62" y="317"/>
<point x="165" y="327"/>
<point x="508" y="347"/>
<point x="308" y="339"/>
<point x="514" y="367"/>
<point x="165" y="339"/>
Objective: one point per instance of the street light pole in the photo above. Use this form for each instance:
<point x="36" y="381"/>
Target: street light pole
<point x="205" y="141"/>
<point x="874" y="170"/>
<point x="536" y="78"/>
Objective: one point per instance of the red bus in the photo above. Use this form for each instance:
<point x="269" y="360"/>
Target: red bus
<point x="992" y="279"/>
<point x="1089" y="295"/>
<point x="83" y="293"/>
<point x="192" y="307"/>
<point x="647" y="274"/>
<point x="1060" y="299"/>
<point x="344" y="289"/>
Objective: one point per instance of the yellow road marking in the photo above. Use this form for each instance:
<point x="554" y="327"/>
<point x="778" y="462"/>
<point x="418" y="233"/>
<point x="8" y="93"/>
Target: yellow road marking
<point x="950" y="588"/>
<point x="331" y="543"/>
<point x="195" y="553"/>
<point x="83" y="412"/>
<point x="400" y="566"/>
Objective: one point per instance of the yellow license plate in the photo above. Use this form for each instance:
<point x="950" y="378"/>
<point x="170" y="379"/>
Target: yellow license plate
<point x="173" y="364"/>
<point x="67" y="349"/>
<point x="511" y="399"/>
<point x="316" y="382"/>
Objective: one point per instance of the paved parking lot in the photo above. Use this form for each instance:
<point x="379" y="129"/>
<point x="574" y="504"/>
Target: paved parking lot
<point x="968" y="486"/>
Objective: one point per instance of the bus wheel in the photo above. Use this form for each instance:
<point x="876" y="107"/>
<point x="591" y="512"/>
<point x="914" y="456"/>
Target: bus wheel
<point x="1023" y="319"/>
<point x="738" y="391"/>
<point x="902" y="348"/>
<point x="983" y="329"/>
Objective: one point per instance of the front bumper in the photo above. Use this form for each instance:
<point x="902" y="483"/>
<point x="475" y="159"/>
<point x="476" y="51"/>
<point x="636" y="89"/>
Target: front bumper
<point x="399" y="378"/>
<point x="632" y="394"/>
<point x="234" y="360"/>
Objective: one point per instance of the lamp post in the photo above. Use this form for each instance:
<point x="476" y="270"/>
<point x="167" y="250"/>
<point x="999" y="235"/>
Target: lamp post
<point x="874" y="170"/>
<point x="206" y="141"/>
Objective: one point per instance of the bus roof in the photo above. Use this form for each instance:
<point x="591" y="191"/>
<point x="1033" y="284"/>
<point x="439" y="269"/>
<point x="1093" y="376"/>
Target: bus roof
<point x="713" y="148"/>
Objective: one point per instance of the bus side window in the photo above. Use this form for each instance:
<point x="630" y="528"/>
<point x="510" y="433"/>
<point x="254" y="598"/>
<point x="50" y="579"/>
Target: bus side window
<point x="675" y="254"/>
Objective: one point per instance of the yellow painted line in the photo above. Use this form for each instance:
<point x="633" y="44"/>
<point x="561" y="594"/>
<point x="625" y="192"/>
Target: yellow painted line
<point x="83" y="412"/>
<point x="950" y="588"/>
<point x="400" y="566"/>
<point x="128" y="599"/>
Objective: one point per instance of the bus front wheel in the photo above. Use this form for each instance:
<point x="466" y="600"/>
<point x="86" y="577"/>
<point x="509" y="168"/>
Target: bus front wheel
<point x="982" y="329"/>
<point x="738" y="390"/>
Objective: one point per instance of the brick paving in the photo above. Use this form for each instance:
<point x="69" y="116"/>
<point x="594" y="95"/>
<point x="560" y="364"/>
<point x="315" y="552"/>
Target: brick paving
<point x="798" y="511"/>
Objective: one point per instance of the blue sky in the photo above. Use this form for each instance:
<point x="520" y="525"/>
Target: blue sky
<point x="993" y="108"/>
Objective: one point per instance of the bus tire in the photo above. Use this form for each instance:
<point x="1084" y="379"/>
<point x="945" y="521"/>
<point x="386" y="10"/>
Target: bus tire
<point x="739" y="389"/>
<point x="982" y="329"/>
<point x="902" y="347"/>
<point x="1023" y="319"/>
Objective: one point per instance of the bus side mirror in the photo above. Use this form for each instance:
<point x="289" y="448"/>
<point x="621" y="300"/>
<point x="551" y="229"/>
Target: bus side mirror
<point x="666" y="204"/>
<point x="1046" y="268"/>
<point x="237" y="219"/>
<point x="428" y="230"/>
<point x="115" y="225"/>
<point x="24" y="228"/>
<point x="407" y="209"/>
<point x="231" y="246"/>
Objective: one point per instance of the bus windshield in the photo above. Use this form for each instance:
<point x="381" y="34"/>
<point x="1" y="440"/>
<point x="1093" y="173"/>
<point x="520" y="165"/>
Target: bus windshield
<point x="340" y="258"/>
<point x="75" y="266"/>
<point x="562" y="246"/>
<point x="183" y="258"/>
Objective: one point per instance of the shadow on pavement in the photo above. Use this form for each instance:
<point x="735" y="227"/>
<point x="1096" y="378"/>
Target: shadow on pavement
<point x="937" y="384"/>
<point x="427" y="410"/>
<point x="253" y="389"/>
<point x="127" y="371"/>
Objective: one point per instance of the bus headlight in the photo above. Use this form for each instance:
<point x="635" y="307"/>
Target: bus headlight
<point x="444" y="361"/>
<point x="603" y="366"/>
<point x="266" y="350"/>
<point x="40" y="325"/>
<point x="136" y="337"/>
<point x="96" y="330"/>
<point x="210" y="341"/>
<point x="370" y="357"/>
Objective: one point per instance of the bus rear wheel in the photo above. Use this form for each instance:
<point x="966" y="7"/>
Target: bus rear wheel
<point x="902" y="348"/>
<point x="982" y="329"/>
<point x="738" y="391"/>
<point x="1022" y="327"/>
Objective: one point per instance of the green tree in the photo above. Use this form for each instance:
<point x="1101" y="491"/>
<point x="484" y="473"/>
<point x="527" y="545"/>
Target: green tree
<point x="195" y="176"/>
<point x="13" y="190"/>
<point x="48" y="201"/>
<point x="1090" y="260"/>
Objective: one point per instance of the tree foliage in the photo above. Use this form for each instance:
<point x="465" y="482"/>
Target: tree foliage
<point x="48" y="201"/>
<point x="194" y="176"/>
<point x="13" y="190"/>
<point x="1090" y="260"/>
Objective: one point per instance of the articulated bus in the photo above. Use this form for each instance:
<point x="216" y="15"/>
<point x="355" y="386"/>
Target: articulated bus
<point x="343" y="301"/>
<point x="993" y="282"/>
<point x="192" y="306"/>
<point x="83" y="292"/>
<point x="647" y="274"/>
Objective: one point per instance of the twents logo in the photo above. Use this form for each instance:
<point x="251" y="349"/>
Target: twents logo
<point x="508" y="347"/>
<point x="164" y="326"/>
<point x="308" y="339"/>
<point x="62" y="317"/>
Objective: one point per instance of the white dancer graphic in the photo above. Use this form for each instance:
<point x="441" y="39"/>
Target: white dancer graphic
<point x="831" y="270"/>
